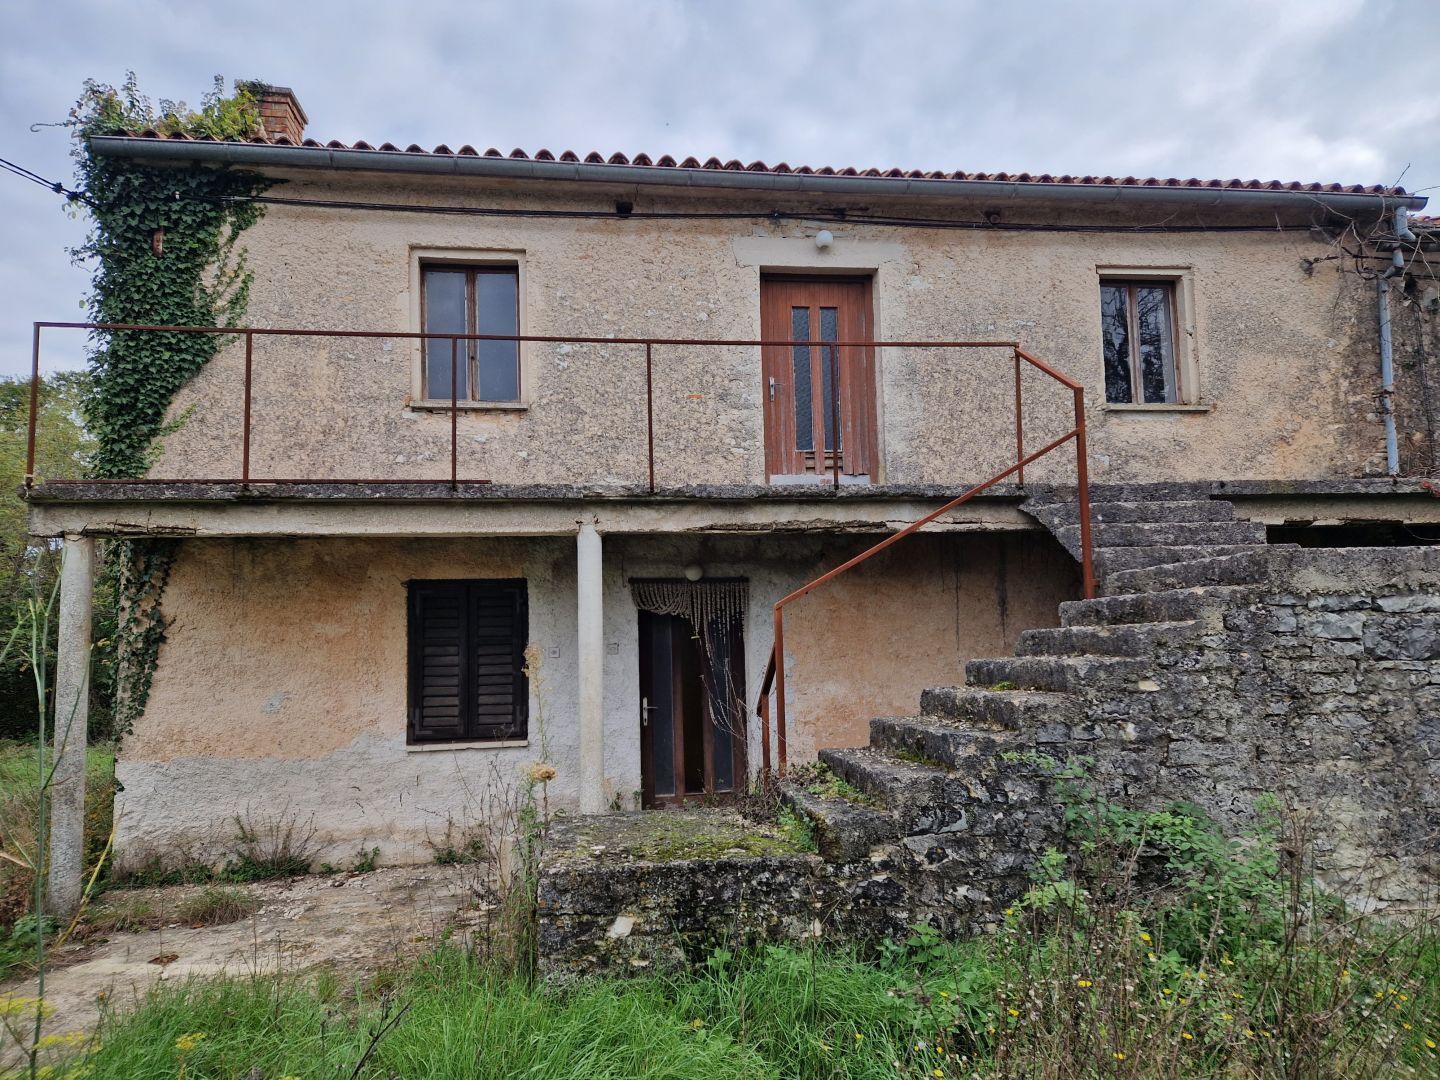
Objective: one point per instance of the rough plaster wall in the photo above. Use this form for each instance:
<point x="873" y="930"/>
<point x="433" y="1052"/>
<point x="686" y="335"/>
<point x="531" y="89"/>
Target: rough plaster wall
<point x="281" y="688"/>
<point x="864" y="645"/>
<point x="1286" y="358"/>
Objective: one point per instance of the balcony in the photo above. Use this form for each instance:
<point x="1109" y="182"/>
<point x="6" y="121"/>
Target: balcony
<point x="343" y="409"/>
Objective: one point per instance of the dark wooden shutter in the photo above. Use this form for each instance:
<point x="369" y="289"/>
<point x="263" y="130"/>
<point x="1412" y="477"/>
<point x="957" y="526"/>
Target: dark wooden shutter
<point x="498" y="630"/>
<point x="467" y="659"/>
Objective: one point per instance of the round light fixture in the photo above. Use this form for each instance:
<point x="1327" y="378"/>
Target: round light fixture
<point x="694" y="572"/>
<point x="824" y="238"/>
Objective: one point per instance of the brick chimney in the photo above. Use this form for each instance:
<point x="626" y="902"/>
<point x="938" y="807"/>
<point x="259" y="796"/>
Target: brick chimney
<point x="281" y="113"/>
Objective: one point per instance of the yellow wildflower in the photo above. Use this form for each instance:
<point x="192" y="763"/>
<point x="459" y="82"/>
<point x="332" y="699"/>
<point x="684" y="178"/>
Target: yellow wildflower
<point x="1119" y="1055"/>
<point x="1083" y="983"/>
<point x="1430" y="1043"/>
<point x="1144" y="936"/>
<point x="1013" y="1012"/>
<point x="859" y="1037"/>
<point x="1186" y="1036"/>
<point x="697" y="1023"/>
<point x="18" y="1006"/>
<point x="186" y="1043"/>
<point x="937" y="1072"/>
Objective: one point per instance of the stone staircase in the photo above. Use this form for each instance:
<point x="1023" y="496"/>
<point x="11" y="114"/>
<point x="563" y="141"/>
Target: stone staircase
<point x="953" y="801"/>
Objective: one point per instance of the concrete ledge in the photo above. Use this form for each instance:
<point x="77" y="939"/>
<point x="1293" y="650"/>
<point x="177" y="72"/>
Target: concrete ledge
<point x="440" y="491"/>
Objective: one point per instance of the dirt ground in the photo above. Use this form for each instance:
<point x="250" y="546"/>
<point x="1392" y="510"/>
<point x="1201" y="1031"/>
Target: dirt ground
<point x="354" y="924"/>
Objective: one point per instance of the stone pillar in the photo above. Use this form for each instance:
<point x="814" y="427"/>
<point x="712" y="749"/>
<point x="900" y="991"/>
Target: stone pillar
<point x="72" y="696"/>
<point x="590" y="654"/>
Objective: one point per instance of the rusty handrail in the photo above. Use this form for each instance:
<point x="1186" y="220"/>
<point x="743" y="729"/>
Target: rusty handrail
<point x="774" y="678"/>
<point x="249" y="333"/>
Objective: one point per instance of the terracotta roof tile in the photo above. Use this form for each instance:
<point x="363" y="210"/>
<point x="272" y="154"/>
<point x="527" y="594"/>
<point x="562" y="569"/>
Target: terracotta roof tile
<point x="666" y="161"/>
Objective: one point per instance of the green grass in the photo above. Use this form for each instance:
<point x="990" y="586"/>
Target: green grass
<point x="777" y="1013"/>
<point x="19" y="803"/>
<point x="1009" y="1005"/>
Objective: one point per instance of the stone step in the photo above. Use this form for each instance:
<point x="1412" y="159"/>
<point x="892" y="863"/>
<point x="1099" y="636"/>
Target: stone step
<point x="941" y="742"/>
<point x="1172" y="605"/>
<point x="1126" y="639"/>
<point x="845" y="831"/>
<point x="1064" y="674"/>
<point x="1167" y="533"/>
<point x="918" y="794"/>
<point x="1245" y="568"/>
<point x="1189" y="510"/>
<point x="931" y="799"/>
<point x="1109" y="560"/>
<point x="1013" y="710"/>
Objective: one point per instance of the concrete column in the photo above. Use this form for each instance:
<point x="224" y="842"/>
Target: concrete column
<point x="591" y="654"/>
<point x="72" y="696"/>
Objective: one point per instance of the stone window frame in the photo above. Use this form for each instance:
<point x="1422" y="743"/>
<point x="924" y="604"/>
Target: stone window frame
<point x="510" y="258"/>
<point x="1187" y="370"/>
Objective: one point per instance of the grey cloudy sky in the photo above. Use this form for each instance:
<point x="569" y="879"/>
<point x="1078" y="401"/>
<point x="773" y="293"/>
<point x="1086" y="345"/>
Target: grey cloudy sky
<point x="1275" y="89"/>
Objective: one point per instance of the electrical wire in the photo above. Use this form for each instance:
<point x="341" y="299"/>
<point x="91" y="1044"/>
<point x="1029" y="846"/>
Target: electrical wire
<point x="835" y="217"/>
<point x="54" y="185"/>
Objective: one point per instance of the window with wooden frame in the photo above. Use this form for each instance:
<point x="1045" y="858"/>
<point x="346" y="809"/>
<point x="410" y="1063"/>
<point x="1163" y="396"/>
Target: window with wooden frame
<point x="1138" y="324"/>
<point x="467" y="661"/>
<point x="482" y="299"/>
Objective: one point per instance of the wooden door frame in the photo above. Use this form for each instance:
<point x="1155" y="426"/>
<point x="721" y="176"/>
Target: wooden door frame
<point x="859" y="419"/>
<point x="740" y="748"/>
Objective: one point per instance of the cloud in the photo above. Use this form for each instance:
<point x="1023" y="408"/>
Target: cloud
<point x="1300" y="89"/>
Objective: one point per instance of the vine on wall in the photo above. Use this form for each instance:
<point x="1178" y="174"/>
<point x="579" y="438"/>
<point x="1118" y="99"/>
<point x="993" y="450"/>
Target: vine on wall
<point x="164" y="241"/>
<point x="194" y="276"/>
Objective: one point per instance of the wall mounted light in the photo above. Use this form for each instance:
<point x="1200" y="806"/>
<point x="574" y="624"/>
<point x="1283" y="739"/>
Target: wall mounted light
<point x="824" y="238"/>
<point x="694" y="572"/>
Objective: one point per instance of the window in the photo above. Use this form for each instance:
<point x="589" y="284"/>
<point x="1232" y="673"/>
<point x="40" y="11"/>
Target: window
<point x="1137" y="323"/>
<point x="471" y="300"/>
<point x="467" y="661"/>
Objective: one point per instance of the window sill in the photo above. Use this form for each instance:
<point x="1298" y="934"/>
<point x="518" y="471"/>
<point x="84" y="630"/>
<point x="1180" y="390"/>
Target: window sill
<point x="430" y="405"/>
<point x="485" y="744"/>
<point x="1160" y="407"/>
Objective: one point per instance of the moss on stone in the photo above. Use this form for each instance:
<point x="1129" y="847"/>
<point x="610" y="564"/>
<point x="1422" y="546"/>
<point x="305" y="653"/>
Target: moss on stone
<point x="677" y="835"/>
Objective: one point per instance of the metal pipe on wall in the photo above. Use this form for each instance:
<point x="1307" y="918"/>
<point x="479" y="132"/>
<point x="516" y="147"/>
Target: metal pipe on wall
<point x="1387" y="345"/>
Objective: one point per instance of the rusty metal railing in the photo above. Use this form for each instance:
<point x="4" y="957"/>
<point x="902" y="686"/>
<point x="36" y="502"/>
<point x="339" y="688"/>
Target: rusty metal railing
<point x="830" y="351"/>
<point x="774" y="678"/>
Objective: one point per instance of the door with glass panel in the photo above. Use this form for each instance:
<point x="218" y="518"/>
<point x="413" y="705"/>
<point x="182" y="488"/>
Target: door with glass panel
<point x="819" y="398"/>
<point x="692" y="709"/>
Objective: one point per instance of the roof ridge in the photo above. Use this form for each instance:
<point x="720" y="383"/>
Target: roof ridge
<point x="667" y="162"/>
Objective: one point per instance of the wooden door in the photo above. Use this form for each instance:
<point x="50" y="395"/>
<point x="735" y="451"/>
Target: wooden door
<point x="692" y="713"/>
<point x="811" y="389"/>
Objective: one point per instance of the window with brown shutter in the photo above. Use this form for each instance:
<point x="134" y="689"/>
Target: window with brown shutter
<point x="467" y="660"/>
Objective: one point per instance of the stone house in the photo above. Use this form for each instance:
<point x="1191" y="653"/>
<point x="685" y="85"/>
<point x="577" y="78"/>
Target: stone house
<point x="555" y="530"/>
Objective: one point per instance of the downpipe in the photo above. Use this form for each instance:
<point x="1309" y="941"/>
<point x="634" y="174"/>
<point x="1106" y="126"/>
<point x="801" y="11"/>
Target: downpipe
<point x="1387" y="347"/>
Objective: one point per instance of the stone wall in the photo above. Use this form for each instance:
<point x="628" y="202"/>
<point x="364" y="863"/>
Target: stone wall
<point x="1320" y="687"/>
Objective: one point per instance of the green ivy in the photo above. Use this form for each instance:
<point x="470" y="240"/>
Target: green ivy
<point x="199" y="277"/>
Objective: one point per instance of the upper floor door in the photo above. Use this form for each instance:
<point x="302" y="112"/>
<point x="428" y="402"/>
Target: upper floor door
<point x="819" y="398"/>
